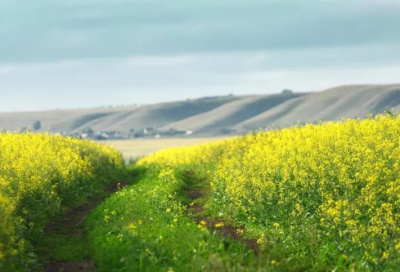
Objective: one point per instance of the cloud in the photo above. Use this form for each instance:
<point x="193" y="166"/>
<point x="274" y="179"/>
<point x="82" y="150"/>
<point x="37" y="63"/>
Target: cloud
<point x="161" y="61"/>
<point x="45" y="30"/>
<point x="7" y="69"/>
<point x="156" y="50"/>
<point x="258" y="59"/>
<point x="262" y="76"/>
<point x="317" y="79"/>
<point x="104" y="81"/>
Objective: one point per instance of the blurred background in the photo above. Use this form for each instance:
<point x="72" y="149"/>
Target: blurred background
<point x="100" y="69"/>
<point x="63" y="54"/>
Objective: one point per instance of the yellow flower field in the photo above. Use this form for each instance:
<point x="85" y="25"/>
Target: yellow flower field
<point x="40" y="176"/>
<point x="326" y="194"/>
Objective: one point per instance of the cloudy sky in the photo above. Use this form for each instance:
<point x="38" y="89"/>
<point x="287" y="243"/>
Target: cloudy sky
<point x="83" y="53"/>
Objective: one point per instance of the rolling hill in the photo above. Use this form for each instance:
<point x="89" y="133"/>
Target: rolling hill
<point x="230" y="114"/>
<point x="219" y="115"/>
<point x="329" y="105"/>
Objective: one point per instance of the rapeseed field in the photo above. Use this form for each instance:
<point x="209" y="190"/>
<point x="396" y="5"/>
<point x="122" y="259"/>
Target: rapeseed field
<point x="321" y="197"/>
<point x="40" y="176"/>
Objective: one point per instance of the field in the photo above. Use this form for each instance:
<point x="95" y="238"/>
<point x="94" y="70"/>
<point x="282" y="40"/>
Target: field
<point x="323" y="197"/>
<point x="41" y="176"/>
<point x="142" y="147"/>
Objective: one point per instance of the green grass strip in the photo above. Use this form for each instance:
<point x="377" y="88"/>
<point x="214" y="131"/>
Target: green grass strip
<point x="145" y="227"/>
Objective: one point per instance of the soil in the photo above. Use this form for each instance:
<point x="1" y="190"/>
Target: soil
<point x="194" y="194"/>
<point x="224" y="228"/>
<point x="70" y="225"/>
<point x="82" y="266"/>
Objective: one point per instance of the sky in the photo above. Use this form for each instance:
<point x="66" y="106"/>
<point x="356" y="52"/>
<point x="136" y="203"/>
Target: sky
<point x="87" y="53"/>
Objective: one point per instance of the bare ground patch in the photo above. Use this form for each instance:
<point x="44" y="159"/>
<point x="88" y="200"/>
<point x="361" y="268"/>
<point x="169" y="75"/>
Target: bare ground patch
<point x="224" y="228"/>
<point x="71" y="225"/>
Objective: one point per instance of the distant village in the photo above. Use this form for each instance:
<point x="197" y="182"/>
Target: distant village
<point x="131" y="134"/>
<point x="149" y="132"/>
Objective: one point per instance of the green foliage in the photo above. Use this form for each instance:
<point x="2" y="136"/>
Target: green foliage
<point x="145" y="227"/>
<point x="41" y="176"/>
<point x="59" y="247"/>
<point x="316" y="198"/>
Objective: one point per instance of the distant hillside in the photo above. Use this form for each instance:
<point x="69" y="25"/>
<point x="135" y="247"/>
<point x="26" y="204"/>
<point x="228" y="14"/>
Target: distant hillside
<point x="117" y="119"/>
<point x="332" y="104"/>
<point x="55" y="119"/>
<point x="158" y="115"/>
<point x="230" y="114"/>
<point x="218" y="115"/>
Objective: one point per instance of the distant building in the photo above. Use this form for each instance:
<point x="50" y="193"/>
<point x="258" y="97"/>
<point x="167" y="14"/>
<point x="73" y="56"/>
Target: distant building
<point x="150" y="129"/>
<point x="140" y="133"/>
<point x="287" y="91"/>
<point x="103" y="136"/>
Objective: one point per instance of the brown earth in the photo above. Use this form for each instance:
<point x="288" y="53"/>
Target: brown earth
<point x="70" y="225"/>
<point x="224" y="228"/>
<point x="82" y="266"/>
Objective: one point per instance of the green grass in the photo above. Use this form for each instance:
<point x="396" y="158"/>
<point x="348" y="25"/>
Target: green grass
<point x="66" y="241"/>
<point x="145" y="227"/>
<point x="58" y="247"/>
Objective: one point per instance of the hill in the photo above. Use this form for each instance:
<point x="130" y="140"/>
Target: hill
<point x="62" y="120"/>
<point x="230" y="114"/>
<point x="329" y="105"/>
<point x="218" y="115"/>
<point x="157" y="115"/>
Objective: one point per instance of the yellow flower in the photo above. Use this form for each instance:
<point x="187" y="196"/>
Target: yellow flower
<point x="338" y="177"/>
<point x="385" y="255"/>
<point x="47" y="168"/>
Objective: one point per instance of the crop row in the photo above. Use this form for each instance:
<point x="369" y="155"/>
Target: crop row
<point x="41" y="175"/>
<point x="316" y="197"/>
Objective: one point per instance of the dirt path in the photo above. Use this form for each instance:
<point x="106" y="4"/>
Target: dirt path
<point x="71" y="226"/>
<point x="224" y="228"/>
